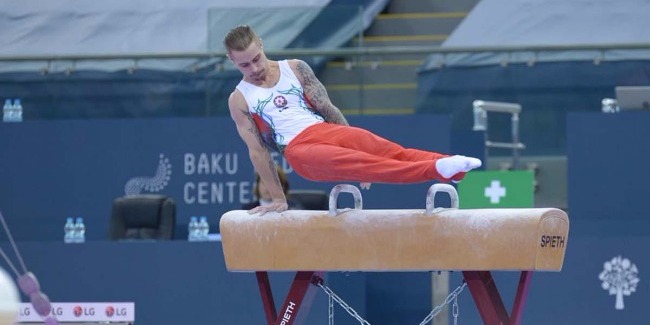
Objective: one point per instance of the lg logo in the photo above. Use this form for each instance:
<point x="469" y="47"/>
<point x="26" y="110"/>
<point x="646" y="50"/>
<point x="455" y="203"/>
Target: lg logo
<point x="53" y="312"/>
<point x="110" y="311"/>
<point x="78" y="311"/>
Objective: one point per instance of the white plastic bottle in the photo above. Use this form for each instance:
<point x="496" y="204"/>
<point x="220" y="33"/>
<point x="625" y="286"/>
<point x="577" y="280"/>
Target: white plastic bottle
<point x="192" y="229"/>
<point x="80" y="230"/>
<point x="204" y="228"/>
<point x="7" y="111"/>
<point x="69" y="231"/>
<point x="18" y="110"/>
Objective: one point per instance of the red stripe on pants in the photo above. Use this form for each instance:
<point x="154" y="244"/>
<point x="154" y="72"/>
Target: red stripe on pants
<point x="332" y="152"/>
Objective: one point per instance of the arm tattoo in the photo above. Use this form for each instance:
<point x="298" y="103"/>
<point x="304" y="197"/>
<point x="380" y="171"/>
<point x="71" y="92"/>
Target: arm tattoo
<point x="274" y="173"/>
<point x="253" y="129"/>
<point x="317" y="95"/>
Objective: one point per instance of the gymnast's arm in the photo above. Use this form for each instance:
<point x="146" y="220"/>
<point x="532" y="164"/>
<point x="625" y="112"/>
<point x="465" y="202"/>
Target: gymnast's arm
<point x="258" y="153"/>
<point x="316" y="94"/>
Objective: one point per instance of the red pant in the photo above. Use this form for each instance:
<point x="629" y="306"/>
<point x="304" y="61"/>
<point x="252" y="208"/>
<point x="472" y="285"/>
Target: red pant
<point x="332" y="152"/>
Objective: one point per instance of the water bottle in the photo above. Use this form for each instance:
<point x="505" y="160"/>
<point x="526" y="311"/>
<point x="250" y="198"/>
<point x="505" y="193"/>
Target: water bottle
<point x="192" y="229"/>
<point x="7" y="111"/>
<point x="204" y="228"/>
<point x="69" y="231"/>
<point x="80" y="230"/>
<point x="18" y="110"/>
<point x="610" y="105"/>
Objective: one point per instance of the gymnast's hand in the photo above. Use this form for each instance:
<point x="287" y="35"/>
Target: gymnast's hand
<point x="365" y="186"/>
<point x="276" y="205"/>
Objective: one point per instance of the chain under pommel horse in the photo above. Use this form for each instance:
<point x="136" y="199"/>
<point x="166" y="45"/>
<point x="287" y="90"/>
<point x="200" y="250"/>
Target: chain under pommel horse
<point x="474" y="241"/>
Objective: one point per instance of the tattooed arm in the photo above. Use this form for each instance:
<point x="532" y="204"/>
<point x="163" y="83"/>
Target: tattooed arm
<point x="316" y="94"/>
<point x="258" y="153"/>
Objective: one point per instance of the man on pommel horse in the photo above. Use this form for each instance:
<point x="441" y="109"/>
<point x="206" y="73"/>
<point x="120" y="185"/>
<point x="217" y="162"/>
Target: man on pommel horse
<point x="283" y="105"/>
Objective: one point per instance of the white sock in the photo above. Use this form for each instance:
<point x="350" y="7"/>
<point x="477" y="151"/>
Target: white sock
<point x="450" y="166"/>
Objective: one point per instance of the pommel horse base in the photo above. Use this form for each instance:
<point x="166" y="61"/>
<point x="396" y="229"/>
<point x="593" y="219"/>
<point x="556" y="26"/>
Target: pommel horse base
<point x="474" y="241"/>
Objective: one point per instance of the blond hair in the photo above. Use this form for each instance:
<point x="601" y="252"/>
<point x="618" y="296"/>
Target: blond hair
<point x="240" y="38"/>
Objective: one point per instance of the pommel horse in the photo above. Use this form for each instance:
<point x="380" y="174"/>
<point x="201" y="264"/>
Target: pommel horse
<point x="474" y="241"/>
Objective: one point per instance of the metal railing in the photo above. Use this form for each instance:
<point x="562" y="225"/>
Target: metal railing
<point x="210" y="65"/>
<point x="481" y="108"/>
<point x="338" y="52"/>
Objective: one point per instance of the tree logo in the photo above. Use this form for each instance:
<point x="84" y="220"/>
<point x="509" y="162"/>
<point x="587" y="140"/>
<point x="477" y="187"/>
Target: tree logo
<point x="619" y="277"/>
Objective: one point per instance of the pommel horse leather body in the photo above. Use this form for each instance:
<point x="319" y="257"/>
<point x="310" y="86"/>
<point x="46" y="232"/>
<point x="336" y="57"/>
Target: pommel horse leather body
<point x="474" y="241"/>
<point x="396" y="240"/>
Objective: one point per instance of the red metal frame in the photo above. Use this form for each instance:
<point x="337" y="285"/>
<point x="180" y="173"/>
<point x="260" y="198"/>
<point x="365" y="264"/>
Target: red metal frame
<point x="480" y="283"/>
<point x="267" y="296"/>
<point x="300" y="294"/>
<point x="488" y="300"/>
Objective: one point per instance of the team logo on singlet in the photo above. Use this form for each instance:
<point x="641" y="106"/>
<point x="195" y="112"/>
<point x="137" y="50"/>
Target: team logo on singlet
<point x="280" y="102"/>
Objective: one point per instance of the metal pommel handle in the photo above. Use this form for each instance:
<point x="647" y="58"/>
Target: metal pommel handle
<point x="346" y="188"/>
<point x="434" y="189"/>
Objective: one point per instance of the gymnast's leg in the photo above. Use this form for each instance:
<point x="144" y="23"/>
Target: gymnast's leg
<point x="325" y="162"/>
<point x="363" y="140"/>
<point x="366" y="141"/>
<point x="330" y="152"/>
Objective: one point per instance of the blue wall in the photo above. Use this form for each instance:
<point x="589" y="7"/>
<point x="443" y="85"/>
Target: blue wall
<point x="61" y="168"/>
<point x="173" y="282"/>
<point x="178" y="282"/>
<point x="607" y="193"/>
<point x="54" y="169"/>
<point x="608" y="164"/>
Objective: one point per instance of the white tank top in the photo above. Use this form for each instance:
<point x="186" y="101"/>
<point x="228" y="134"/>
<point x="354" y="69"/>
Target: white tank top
<point x="280" y="112"/>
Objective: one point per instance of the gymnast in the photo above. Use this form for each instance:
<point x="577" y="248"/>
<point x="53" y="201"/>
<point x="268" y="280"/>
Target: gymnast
<point x="282" y="105"/>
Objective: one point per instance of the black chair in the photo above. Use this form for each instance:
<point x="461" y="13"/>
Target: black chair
<point x="141" y="217"/>
<point x="311" y="199"/>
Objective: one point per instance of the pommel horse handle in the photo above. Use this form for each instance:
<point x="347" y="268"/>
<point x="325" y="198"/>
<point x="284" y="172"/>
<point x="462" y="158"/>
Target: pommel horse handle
<point x="344" y="188"/>
<point x="431" y="196"/>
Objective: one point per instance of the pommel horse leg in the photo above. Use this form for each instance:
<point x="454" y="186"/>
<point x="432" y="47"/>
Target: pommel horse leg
<point x="300" y="294"/>
<point x="488" y="300"/>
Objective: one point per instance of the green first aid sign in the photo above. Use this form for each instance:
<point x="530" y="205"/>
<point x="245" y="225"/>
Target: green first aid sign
<point x="496" y="189"/>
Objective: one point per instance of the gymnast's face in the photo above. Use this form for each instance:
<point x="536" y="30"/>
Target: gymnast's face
<point x="251" y="62"/>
